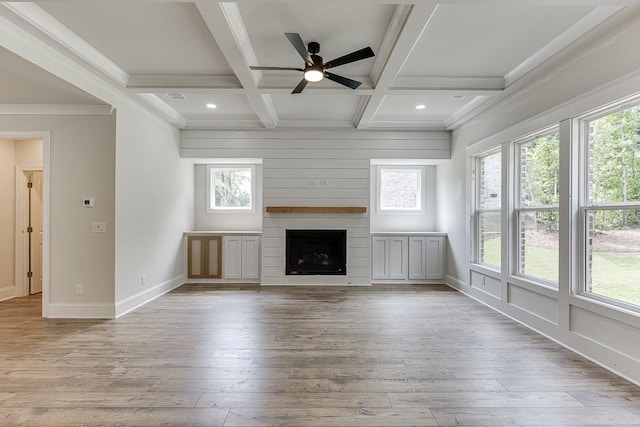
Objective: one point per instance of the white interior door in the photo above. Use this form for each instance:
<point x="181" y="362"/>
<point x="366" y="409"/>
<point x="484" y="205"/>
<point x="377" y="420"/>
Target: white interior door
<point x="34" y="231"/>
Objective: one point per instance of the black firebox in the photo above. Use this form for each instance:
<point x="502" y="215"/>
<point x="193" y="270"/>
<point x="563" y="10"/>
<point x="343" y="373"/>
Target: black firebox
<point x="310" y="252"/>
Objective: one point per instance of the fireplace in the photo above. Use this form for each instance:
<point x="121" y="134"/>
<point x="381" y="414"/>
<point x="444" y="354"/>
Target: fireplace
<point x="313" y="252"/>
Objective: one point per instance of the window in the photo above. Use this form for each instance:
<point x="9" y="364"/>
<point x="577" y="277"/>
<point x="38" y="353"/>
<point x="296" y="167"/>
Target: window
<point x="487" y="213"/>
<point x="610" y="205"/>
<point x="230" y="188"/>
<point x="400" y="188"/>
<point x="537" y="207"/>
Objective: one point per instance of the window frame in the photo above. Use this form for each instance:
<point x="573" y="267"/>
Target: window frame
<point x="422" y="190"/>
<point x="211" y="168"/>
<point x="585" y="204"/>
<point x="478" y="210"/>
<point x="519" y="209"/>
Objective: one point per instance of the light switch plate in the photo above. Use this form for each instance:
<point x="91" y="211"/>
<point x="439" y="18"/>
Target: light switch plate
<point x="98" y="227"/>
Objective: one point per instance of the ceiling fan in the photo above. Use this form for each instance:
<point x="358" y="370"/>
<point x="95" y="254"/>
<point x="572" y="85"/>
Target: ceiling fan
<point x="314" y="69"/>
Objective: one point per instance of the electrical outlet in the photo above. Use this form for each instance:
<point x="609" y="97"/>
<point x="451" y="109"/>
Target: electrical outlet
<point x="79" y="289"/>
<point x="143" y="279"/>
<point x="98" y="227"/>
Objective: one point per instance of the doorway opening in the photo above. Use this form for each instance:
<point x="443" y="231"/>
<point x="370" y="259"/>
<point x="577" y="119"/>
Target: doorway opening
<point x="24" y="259"/>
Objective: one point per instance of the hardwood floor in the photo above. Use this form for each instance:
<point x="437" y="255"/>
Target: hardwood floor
<point x="253" y="356"/>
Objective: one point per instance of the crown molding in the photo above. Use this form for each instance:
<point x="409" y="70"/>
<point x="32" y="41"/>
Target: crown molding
<point x="55" y="109"/>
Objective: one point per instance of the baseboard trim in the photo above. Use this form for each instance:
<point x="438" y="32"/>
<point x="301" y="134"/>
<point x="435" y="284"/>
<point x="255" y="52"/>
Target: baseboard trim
<point x="80" y="311"/>
<point x="454" y="282"/>
<point x="7" y="293"/>
<point x="128" y="304"/>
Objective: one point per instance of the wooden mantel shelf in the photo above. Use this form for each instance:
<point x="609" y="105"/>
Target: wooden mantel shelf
<point x="317" y="209"/>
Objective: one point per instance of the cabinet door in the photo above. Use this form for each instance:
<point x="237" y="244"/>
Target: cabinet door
<point x="213" y="257"/>
<point x="380" y="258"/>
<point x="203" y="257"/>
<point x="195" y="256"/>
<point x="417" y="258"/>
<point x="250" y="257"/>
<point x="232" y="257"/>
<point x="398" y="259"/>
<point x="435" y="247"/>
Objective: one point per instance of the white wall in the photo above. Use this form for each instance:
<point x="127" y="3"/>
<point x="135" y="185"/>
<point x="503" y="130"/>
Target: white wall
<point x="7" y="217"/>
<point x="154" y="207"/>
<point x="82" y="163"/>
<point x="225" y="221"/>
<point x="29" y="152"/>
<point x="598" y="72"/>
<point x="451" y="215"/>
<point x="316" y="168"/>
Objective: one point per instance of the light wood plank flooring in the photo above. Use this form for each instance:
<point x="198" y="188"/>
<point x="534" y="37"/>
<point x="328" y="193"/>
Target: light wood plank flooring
<point x="324" y="356"/>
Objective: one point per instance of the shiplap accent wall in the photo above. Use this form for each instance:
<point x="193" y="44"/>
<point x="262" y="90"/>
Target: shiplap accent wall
<point x="316" y="168"/>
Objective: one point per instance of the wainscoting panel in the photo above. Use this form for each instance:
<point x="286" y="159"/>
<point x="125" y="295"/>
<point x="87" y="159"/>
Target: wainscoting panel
<point x="605" y="331"/>
<point x="533" y="303"/>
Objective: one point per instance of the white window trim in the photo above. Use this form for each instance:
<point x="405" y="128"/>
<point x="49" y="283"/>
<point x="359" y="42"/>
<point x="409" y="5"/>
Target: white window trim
<point x="476" y="211"/>
<point x="518" y="209"/>
<point x="422" y="189"/>
<point x="228" y="166"/>
<point x="584" y="205"/>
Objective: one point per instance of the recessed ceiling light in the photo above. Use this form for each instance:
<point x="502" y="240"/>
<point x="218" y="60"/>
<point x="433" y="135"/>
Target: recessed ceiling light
<point x="421" y="107"/>
<point x="212" y="106"/>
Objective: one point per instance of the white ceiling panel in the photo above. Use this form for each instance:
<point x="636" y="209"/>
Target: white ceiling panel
<point x="340" y="28"/>
<point x="144" y="37"/>
<point x="312" y="106"/>
<point x="487" y="40"/>
<point x="195" y="105"/>
<point x="436" y="107"/>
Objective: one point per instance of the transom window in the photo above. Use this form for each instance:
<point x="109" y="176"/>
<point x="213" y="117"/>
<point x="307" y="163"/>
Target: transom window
<point x="610" y="205"/>
<point x="230" y="188"/>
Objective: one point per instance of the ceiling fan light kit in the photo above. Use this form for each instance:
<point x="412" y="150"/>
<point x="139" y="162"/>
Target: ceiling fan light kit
<point x="315" y="69"/>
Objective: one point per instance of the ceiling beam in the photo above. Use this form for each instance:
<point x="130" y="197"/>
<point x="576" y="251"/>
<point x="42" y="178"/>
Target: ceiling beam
<point x="417" y="20"/>
<point x="573" y="33"/>
<point x="227" y="28"/>
<point x="145" y="83"/>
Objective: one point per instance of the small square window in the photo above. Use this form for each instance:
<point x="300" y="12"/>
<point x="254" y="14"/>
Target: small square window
<point x="400" y="189"/>
<point x="230" y="188"/>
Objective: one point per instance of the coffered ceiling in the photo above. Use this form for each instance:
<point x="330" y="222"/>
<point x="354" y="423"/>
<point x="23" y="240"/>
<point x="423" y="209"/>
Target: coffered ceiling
<point x="454" y="58"/>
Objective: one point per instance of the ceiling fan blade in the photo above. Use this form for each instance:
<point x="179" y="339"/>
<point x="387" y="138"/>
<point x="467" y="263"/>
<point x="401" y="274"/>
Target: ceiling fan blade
<point x="301" y="86"/>
<point x="353" y="84"/>
<point x="252" y="67"/>
<point x="363" y="53"/>
<point x="299" y="45"/>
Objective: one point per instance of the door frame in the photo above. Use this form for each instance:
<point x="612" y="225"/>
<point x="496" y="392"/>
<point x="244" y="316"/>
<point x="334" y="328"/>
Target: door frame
<point x="45" y="167"/>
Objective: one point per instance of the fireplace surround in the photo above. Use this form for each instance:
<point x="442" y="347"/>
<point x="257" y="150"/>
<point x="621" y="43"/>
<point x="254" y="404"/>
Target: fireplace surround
<point x="316" y="252"/>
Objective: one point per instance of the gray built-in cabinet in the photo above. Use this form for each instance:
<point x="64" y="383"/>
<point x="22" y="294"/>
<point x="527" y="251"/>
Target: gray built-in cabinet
<point x="409" y="257"/>
<point x="241" y="257"/>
